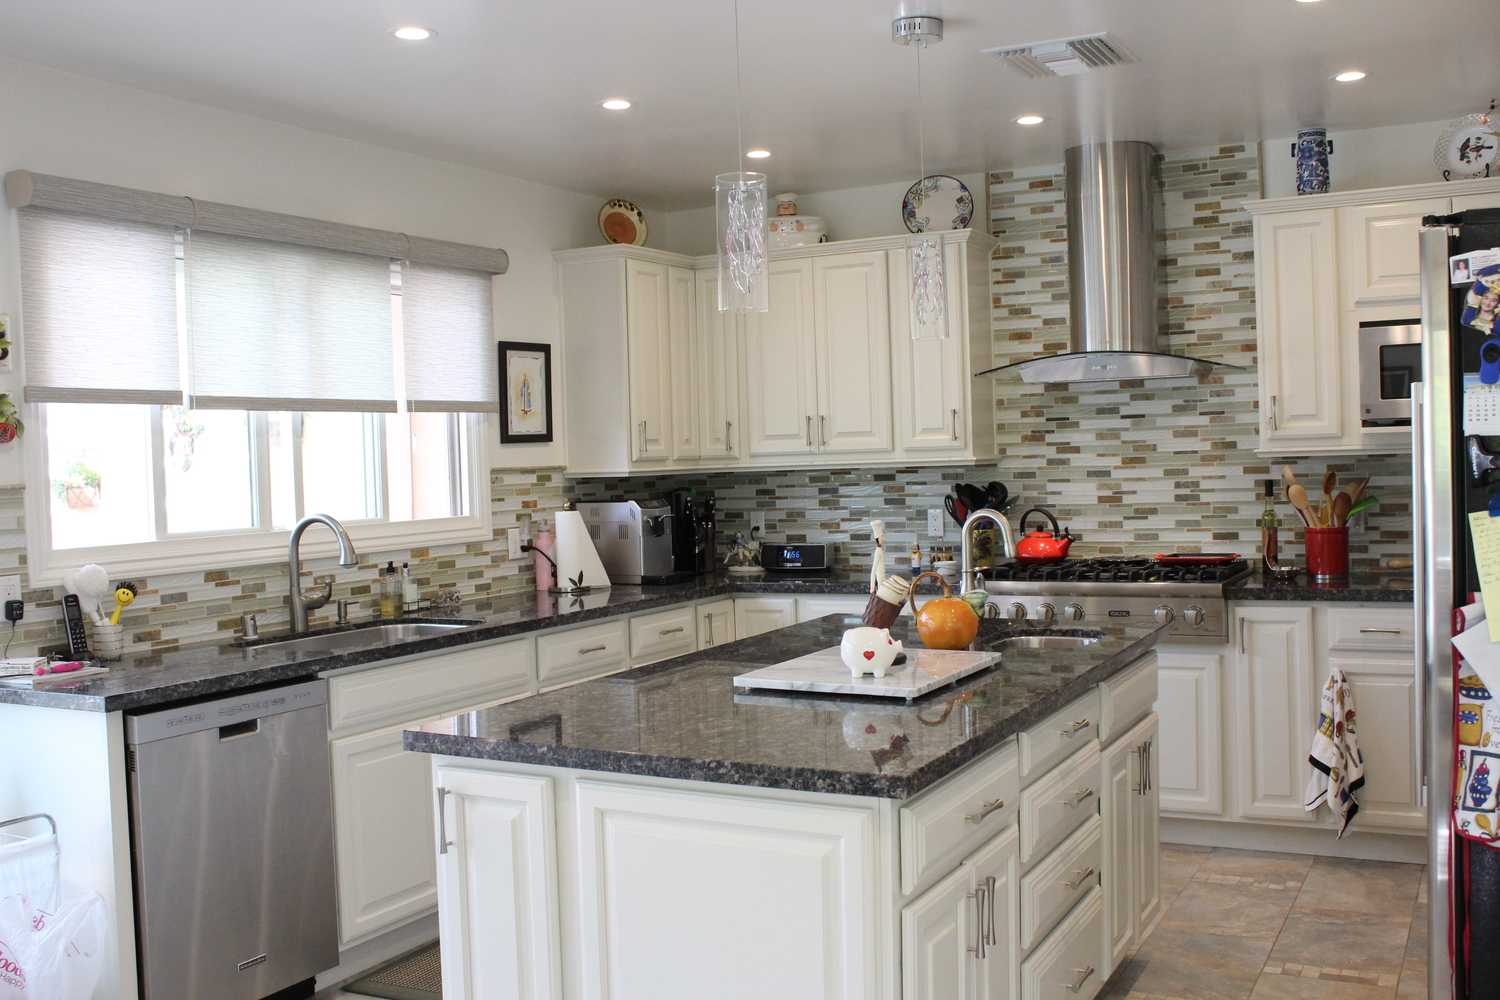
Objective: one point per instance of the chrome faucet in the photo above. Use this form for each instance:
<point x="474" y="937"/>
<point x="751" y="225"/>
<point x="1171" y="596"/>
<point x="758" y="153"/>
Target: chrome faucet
<point x="969" y="578"/>
<point x="304" y="601"/>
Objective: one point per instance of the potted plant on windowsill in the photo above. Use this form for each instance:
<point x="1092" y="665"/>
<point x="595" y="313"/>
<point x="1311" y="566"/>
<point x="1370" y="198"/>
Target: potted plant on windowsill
<point x="10" y="418"/>
<point x="79" y="489"/>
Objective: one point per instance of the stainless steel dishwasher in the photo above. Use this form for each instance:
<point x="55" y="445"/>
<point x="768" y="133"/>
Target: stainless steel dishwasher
<point x="231" y="822"/>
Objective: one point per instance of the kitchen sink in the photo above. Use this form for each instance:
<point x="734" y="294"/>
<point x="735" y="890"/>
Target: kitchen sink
<point x="1048" y="642"/>
<point x="372" y="636"/>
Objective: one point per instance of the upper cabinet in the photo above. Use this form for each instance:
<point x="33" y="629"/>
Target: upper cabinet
<point x="655" y="377"/>
<point x="1325" y="265"/>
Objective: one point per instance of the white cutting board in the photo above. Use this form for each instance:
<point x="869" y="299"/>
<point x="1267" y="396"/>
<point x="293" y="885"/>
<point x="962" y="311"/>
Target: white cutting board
<point x="824" y="672"/>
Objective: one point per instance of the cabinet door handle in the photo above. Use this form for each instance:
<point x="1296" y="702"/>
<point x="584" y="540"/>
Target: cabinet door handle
<point x="708" y="626"/>
<point x="591" y="649"/>
<point x="989" y="895"/>
<point x="1083" y="976"/>
<point x="443" y="842"/>
<point x="672" y="631"/>
<point x="728" y="435"/>
<point x="978" y="897"/>
<point x="1242" y="635"/>
<point x="809" y="430"/>
<point x="1079" y="797"/>
<point x="1077" y="727"/>
<point x="1273" y="412"/>
<point x="822" y="430"/>
<point x="1380" y="631"/>
<point x="643" y="437"/>
<point x="984" y="811"/>
<point x="1146" y="775"/>
<point x="1084" y="874"/>
<point x="955" y="425"/>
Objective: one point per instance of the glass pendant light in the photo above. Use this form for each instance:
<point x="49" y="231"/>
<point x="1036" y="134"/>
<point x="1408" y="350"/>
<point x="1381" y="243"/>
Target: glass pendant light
<point x="740" y="218"/>
<point x="928" y="292"/>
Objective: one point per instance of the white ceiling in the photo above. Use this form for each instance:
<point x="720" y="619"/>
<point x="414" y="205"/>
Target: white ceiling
<point x="515" y="87"/>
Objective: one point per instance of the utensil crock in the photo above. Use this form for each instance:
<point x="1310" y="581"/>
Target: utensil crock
<point x="1327" y="553"/>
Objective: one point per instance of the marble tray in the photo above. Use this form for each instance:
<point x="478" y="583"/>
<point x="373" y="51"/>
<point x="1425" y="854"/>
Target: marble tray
<point x="824" y="672"/>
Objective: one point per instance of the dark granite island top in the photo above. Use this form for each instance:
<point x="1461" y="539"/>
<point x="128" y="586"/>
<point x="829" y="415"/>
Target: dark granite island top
<point x="682" y="718"/>
<point x="1377" y="586"/>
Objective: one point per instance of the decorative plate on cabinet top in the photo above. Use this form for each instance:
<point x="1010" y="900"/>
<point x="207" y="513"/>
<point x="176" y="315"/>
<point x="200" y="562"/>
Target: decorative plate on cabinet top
<point x="937" y="202"/>
<point x="1467" y="147"/>
<point x="623" y="221"/>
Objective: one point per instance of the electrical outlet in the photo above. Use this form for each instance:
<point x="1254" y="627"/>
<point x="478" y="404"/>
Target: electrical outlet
<point x="10" y="588"/>
<point x="935" y="523"/>
<point x="513" y="543"/>
<point x="758" y="521"/>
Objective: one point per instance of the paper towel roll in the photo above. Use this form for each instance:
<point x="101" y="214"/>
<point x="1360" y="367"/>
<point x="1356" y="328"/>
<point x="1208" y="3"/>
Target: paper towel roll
<point x="578" y="564"/>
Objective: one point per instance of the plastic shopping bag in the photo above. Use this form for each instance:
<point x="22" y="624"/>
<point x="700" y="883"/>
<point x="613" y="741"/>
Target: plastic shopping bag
<point x="51" y="954"/>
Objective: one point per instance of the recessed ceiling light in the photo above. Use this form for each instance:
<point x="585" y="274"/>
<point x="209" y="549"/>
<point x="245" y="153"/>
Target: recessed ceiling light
<point x="1350" y="76"/>
<point x="413" y="33"/>
<point x="757" y="154"/>
<point x="1307" y="1"/>
<point x="1030" y="120"/>
<point x="615" y="104"/>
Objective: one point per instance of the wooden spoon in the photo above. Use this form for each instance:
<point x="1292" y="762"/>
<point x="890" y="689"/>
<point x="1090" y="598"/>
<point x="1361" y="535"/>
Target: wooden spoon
<point x="1357" y="489"/>
<point x="1288" y="476"/>
<point x="1341" y="505"/>
<point x="1298" y="496"/>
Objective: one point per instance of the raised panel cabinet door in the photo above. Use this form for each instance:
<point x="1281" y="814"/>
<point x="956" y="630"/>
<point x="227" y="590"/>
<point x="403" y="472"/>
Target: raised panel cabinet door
<point x="497" y="886"/>
<point x="930" y="376"/>
<point x="852" y="313"/>
<point x="685" y="340"/>
<point x="758" y="615"/>
<point x="1379" y="253"/>
<point x="1275" y="711"/>
<point x="1119" y="854"/>
<point x="1297" y="299"/>
<point x="1386" y="700"/>
<point x="809" y="608"/>
<point x="996" y="866"/>
<point x="718" y="336"/>
<point x="383" y="833"/>
<point x="648" y="326"/>
<point x="939" y="941"/>
<point x="683" y="895"/>
<point x="716" y="623"/>
<point x="781" y="362"/>
<point x="1188" y="700"/>
<point x="1146" y="862"/>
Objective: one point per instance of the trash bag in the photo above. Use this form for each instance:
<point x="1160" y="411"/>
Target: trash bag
<point x="52" y="936"/>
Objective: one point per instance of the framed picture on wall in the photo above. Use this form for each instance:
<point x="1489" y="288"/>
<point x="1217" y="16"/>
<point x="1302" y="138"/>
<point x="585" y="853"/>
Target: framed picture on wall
<point x="525" y="393"/>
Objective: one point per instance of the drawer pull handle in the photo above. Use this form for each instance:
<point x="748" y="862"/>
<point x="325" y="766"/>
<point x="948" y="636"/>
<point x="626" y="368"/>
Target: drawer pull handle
<point x="1076" y="728"/>
<point x="1079" y="797"/>
<point x="672" y="631"/>
<point x="1083" y="976"/>
<point x="980" y="891"/>
<point x="591" y="649"/>
<point x="1083" y="876"/>
<point x="984" y="811"/>
<point x="1379" y="631"/>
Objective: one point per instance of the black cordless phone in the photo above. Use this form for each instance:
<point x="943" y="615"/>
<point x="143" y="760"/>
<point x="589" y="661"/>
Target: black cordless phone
<point x="78" y="642"/>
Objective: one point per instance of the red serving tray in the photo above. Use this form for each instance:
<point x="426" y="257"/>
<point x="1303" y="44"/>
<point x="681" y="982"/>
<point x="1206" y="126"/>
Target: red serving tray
<point x="1196" y="558"/>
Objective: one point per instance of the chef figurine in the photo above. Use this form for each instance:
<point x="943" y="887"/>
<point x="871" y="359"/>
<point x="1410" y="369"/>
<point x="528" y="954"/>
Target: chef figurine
<point x="877" y="563"/>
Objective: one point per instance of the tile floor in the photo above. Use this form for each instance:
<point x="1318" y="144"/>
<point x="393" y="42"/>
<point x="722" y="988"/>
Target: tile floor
<point x="1241" y="925"/>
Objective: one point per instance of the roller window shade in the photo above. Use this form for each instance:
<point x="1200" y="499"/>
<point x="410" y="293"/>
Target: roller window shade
<point x="277" y="326"/>
<point x="99" y="309"/>
<point x="447" y="326"/>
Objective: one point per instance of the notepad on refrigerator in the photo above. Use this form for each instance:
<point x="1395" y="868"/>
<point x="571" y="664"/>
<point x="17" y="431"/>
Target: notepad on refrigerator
<point x="1484" y="535"/>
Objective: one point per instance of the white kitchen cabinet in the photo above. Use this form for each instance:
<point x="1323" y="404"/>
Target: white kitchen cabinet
<point x="1489" y="199"/>
<point x="498" y="906"/>
<point x="757" y="615"/>
<point x="1189" y="703"/>
<point x="1387" y="700"/>
<point x="685" y="341"/>
<point x="809" y="608"/>
<point x="662" y="635"/>
<point x="851" y="321"/>
<point x="1379" y="257"/>
<point x="572" y="656"/>
<point x="648" y="325"/>
<point x="675" y="888"/>
<point x="781" y="364"/>
<point x="716" y="623"/>
<point x="959" y="939"/>
<point x="1275" y="710"/>
<point x="382" y="833"/>
<point x="717" y="341"/>
<point x="1132" y="870"/>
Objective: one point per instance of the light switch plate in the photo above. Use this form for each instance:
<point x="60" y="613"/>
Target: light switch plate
<point x="935" y="523"/>
<point x="513" y="542"/>
<point x="10" y="588"/>
<point x="758" y="521"/>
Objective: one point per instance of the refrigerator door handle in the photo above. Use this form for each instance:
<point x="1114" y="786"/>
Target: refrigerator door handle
<point x="1419" y="585"/>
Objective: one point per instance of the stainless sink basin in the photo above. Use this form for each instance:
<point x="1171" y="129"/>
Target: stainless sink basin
<point x="371" y="636"/>
<point x="1048" y="642"/>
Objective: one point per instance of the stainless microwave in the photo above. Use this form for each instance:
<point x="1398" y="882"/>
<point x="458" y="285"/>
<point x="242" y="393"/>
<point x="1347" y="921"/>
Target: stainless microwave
<point x="1390" y="360"/>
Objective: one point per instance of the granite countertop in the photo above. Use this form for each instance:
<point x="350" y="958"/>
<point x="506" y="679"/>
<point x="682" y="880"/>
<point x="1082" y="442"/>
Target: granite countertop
<point x="155" y="680"/>
<point x="1384" y="586"/>
<point x="683" y="718"/>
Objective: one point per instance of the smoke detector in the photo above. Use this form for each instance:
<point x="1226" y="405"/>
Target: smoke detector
<point x="1063" y="56"/>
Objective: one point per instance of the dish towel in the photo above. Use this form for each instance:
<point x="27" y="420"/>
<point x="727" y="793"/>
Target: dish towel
<point x="1338" y="767"/>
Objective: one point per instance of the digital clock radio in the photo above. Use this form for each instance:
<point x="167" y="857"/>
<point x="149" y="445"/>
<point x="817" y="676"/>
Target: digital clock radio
<point x="795" y="555"/>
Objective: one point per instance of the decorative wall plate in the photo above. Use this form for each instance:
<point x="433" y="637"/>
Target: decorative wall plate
<point x="937" y="201"/>
<point x="623" y="221"/>
<point x="1468" y="147"/>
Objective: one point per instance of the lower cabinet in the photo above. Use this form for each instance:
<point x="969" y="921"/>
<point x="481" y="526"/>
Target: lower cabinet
<point x="758" y="615"/>
<point x="1387" y="701"/>
<point x="959" y="939"/>
<point x="1189" y="700"/>
<point x="1066" y="965"/>
<point x="1132" y="866"/>
<point x="1275" y="710"/>
<point x="809" y="608"/>
<point x="497" y="878"/>
<point x="715" y="623"/>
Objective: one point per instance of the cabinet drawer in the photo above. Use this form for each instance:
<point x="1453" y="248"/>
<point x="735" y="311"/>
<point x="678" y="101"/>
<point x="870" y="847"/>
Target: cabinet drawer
<point x="1066" y="966"/>
<point x="1059" y="736"/>
<point x="576" y="655"/>
<point x="1067" y="875"/>
<point x="430" y="685"/>
<point x="662" y="635"/>
<point x="1061" y="802"/>
<point x="1379" y="629"/>
<point x="1127" y="698"/>
<point x="809" y="608"/>
<point x="945" y="824"/>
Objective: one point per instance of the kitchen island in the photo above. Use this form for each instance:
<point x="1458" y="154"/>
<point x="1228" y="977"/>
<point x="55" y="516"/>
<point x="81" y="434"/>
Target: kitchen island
<point x="660" y="834"/>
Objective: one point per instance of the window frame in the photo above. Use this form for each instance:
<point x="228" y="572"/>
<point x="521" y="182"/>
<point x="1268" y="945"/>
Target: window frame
<point x="233" y="548"/>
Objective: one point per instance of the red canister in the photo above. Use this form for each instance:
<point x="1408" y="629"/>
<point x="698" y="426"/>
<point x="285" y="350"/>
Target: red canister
<point x="1327" y="553"/>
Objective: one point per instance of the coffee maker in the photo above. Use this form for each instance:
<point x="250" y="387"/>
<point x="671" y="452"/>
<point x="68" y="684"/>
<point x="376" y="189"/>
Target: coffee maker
<point x="694" y="532"/>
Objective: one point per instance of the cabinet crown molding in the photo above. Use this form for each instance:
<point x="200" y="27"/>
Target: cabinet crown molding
<point x="1373" y="196"/>
<point x="617" y="251"/>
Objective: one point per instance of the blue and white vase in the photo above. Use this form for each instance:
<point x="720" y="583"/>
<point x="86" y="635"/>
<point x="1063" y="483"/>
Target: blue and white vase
<point x="1311" y="151"/>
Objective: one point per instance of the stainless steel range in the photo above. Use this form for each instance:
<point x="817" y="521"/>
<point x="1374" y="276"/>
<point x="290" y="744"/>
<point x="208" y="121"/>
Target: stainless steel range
<point x="1189" y="600"/>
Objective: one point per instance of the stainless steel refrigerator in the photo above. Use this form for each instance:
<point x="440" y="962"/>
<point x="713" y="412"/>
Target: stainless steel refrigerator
<point x="1463" y="877"/>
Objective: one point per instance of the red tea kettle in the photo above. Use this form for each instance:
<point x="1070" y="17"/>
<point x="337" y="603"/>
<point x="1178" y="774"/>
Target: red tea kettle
<point x="1042" y="546"/>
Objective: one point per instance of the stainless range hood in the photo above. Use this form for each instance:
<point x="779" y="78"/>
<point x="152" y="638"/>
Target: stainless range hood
<point x="1111" y="192"/>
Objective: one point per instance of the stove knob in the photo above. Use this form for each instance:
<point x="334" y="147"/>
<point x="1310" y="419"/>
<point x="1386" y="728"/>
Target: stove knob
<point x="1016" y="612"/>
<point x="1162" y="614"/>
<point x="1073" y="613"/>
<point x="1194" y="616"/>
<point x="1045" y="614"/>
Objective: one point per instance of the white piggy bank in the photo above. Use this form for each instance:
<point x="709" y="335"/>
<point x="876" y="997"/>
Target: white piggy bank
<point x="866" y="650"/>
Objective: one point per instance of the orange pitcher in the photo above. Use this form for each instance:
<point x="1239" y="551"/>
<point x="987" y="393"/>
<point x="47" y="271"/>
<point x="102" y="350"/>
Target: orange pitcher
<point x="945" y="622"/>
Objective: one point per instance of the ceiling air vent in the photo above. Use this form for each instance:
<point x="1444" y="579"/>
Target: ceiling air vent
<point x="1064" y="56"/>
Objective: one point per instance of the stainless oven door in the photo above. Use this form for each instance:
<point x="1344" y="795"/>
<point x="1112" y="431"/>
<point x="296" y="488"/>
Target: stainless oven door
<point x="1390" y="361"/>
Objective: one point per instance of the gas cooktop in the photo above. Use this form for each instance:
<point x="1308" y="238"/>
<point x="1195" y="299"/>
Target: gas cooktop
<point x="1121" y="570"/>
